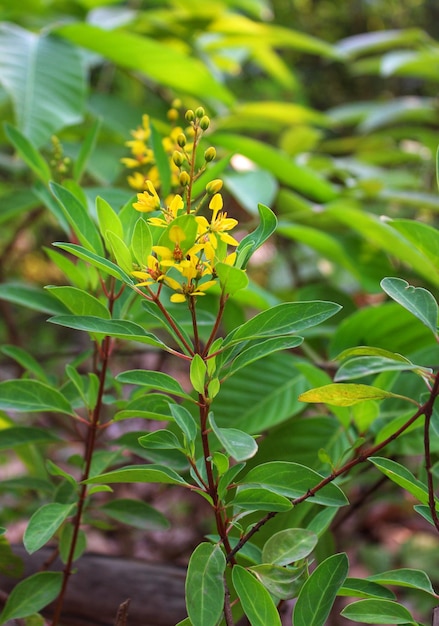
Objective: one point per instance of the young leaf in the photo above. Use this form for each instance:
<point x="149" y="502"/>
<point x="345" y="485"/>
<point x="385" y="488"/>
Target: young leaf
<point x="44" y="523"/>
<point x="238" y="444"/>
<point x="185" y="421"/>
<point x="198" y="371"/>
<point x="255" y="599"/>
<point x="402" y="477"/>
<point x="294" y="481"/>
<point x="135" y="513"/>
<point x="205" y="586"/>
<point x="378" y="612"/>
<point x="251" y="242"/>
<point x="289" y="545"/>
<point x="28" y="153"/>
<point x="319" y="592"/>
<point x="120" y="251"/>
<point x="417" y="300"/>
<point x="281" y="582"/>
<point x="348" y="394"/>
<point x="32" y="395"/>
<point x="31" y="595"/>
<point x="108" y="219"/>
<point x="232" y="278"/>
<point x="141" y="241"/>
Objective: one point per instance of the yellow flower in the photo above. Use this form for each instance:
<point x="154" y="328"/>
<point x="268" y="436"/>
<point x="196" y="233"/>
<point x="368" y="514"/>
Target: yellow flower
<point x="148" y="201"/>
<point x="219" y="225"/>
<point x="170" y="213"/>
<point x="137" y="181"/>
<point x="152" y="273"/>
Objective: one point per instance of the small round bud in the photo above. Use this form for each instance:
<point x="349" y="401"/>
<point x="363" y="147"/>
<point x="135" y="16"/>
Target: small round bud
<point x="178" y="158"/>
<point x="181" y="140"/>
<point x="204" y="122"/>
<point x="172" y="115"/>
<point x="176" y="104"/>
<point x="189" y="115"/>
<point x="214" y="186"/>
<point x="210" y="154"/>
<point x="184" y="179"/>
<point x="199" y="112"/>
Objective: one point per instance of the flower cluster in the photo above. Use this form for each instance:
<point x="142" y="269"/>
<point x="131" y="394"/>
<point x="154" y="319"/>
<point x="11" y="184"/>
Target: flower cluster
<point x="188" y="245"/>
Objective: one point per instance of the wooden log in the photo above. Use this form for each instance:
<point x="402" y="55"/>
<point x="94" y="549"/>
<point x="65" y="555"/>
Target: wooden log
<point x="102" y="583"/>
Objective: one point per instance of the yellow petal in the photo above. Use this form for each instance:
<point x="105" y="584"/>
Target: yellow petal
<point x="178" y="297"/>
<point x="216" y="203"/>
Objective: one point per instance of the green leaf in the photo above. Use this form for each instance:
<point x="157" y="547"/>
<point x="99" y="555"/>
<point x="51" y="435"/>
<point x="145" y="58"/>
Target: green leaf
<point x="205" y="585"/>
<point x="417" y="300"/>
<point x="80" y="302"/>
<point x="141" y="242"/>
<point x="135" y="513"/>
<point x="255" y="599"/>
<point x="298" y="177"/>
<point x="347" y="394"/>
<point x="232" y="279"/>
<point x="260" y="350"/>
<point x="25" y="435"/>
<point x="103" y="264"/>
<point x="362" y="588"/>
<point x="238" y="444"/>
<point x="87" y="147"/>
<point x="33" y="66"/>
<point x="289" y="545"/>
<point x="283" y="319"/>
<point x="185" y="421"/>
<point x="282" y="582"/>
<point x="319" y="592"/>
<point x="153" y="380"/>
<point x="368" y="365"/>
<point x="405" y="577"/>
<point x="251" y="242"/>
<point x="78" y="218"/>
<point x="377" y="612"/>
<point x="31" y="595"/>
<point x="121" y="329"/>
<point x="65" y="541"/>
<point x="32" y="298"/>
<point x="158" y="61"/>
<point x="402" y="477"/>
<point x="32" y="396"/>
<point x="293" y="481"/>
<point x="160" y="440"/>
<point x="44" y="523"/>
<point x="108" y="219"/>
<point x="140" y="474"/>
<point x="26" y="360"/>
<point x="120" y="251"/>
<point x="28" y="152"/>
<point x="257" y="499"/>
<point x="198" y="370"/>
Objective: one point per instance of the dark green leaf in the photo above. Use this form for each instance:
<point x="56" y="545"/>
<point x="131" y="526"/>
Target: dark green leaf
<point x="140" y="474"/>
<point x="135" y="513"/>
<point x="205" y="586"/>
<point x="24" y="435"/>
<point x="378" y="611"/>
<point x="153" y="380"/>
<point x="258" y="499"/>
<point x="402" y="477"/>
<point x="80" y="302"/>
<point x="255" y="599"/>
<point x="30" y="396"/>
<point x="417" y="300"/>
<point x="362" y="588"/>
<point x="405" y="577"/>
<point x="28" y="152"/>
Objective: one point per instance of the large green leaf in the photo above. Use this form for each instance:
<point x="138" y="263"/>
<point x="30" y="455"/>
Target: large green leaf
<point x="293" y="481"/>
<point x="44" y="523"/>
<point x="289" y="545"/>
<point x="150" y="379"/>
<point x="283" y="319"/>
<point x="238" y="444"/>
<point x="402" y="477"/>
<point x="163" y="63"/>
<point x="319" y="591"/>
<point x="135" y="513"/>
<point x="260" y="350"/>
<point x="255" y="599"/>
<point x="103" y="264"/>
<point x="140" y="474"/>
<point x="32" y="396"/>
<point x="205" y="586"/>
<point x="367" y="365"/>
<point x="32" y="298"/>
<point x="405" y="577"/>
<point x="258" y="499"/>
<point x="281" y="582"/>
<point x="362" y="588"/>
<point x="378" y="612"/>
<point x="417" y="300"/>
<point x="79" y="302"/>
<point x="45" y="78"/>
<point x="298" y="177"/>
<point x="31" y="595"/>
<point x="24" y="435"/>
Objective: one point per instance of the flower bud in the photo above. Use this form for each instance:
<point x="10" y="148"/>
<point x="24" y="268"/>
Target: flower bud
<point x="214" y="186"/>
<point x="178" y="158"/>
<point x="210" y="154"/>
<point x="172" y="115"/>
<point x="181" y="140"/>
<point x="199" y="112"/>
<point x="189" y="115"/>
<point x="184" y="179"/>
<point x="176" y="104"/>
<point x="204" y="122"/>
